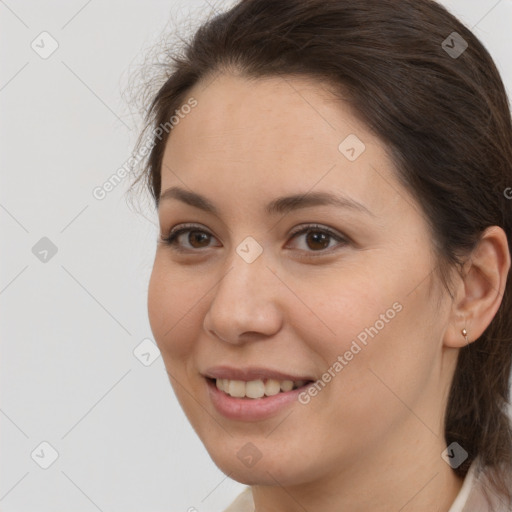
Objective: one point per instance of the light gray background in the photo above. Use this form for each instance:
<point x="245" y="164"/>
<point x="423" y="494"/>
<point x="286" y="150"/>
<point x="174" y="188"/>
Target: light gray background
<point x="69" y="326"/>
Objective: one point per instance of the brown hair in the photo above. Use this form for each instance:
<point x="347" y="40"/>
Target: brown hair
<point x="446" y="121"/>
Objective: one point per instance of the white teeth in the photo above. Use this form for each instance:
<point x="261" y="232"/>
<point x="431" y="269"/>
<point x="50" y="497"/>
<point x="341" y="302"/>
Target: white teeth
<point x="272" y="387"/>
<point x="256" y="388"/>
<point x="236" y="388"/>
<point x="286" y="385"/>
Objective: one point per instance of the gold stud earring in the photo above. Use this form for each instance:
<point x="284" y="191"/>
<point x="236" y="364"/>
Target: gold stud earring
<point x="465" y="334"/>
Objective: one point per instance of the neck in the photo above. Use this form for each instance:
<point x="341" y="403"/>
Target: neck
<point x="412" y="479"/>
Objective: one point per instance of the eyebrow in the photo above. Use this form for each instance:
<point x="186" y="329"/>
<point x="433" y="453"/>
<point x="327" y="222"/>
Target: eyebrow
<point x="281" y="205"/>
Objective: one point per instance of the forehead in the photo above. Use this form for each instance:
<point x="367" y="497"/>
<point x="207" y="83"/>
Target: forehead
<point x="270" y="137"/>
<point x="240" y="116"/>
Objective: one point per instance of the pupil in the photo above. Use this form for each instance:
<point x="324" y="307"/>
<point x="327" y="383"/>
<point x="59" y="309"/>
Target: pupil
<point x="198" y="235"/>
<point x="314" y="236"/>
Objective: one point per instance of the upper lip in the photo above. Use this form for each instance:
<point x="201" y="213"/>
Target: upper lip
<point x="249" y="373"/>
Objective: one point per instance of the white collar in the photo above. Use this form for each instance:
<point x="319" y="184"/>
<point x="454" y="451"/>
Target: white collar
<point x="462" y="498"/>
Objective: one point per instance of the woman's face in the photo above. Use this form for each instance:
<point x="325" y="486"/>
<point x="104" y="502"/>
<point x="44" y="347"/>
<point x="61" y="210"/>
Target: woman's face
<point x="353" y="310"/>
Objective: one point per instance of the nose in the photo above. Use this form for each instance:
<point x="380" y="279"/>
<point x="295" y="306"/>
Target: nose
<point x="246" y="300"/>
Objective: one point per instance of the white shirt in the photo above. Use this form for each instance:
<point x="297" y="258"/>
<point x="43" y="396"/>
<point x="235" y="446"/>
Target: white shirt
<point x="470" y="498"/>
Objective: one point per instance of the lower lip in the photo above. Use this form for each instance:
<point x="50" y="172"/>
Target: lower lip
<point x="251" y="409"/>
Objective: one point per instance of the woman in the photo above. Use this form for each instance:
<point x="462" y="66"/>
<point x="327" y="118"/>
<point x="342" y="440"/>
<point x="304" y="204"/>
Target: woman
<point x="330" y="289"/>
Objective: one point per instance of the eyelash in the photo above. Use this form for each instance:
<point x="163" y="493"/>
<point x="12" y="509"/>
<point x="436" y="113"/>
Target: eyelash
<point x="171" y="239"/>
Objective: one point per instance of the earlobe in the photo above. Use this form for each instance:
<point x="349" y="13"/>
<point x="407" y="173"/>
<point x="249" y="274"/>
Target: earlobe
<point x="481" y="289"/>
<point x="458" y="337"/>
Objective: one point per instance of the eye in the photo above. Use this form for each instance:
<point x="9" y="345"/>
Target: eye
<point x="197" y="235"/>
<point x="318" y="238"/>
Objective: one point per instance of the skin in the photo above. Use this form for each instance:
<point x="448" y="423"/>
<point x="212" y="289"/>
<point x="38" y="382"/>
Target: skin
<point x="372" y="438"/>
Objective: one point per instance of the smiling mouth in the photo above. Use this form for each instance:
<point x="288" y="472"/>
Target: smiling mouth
<point x="256" y="389"/>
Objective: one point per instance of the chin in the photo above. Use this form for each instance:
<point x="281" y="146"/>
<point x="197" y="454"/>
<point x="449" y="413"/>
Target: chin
<point x="267" y="470"/>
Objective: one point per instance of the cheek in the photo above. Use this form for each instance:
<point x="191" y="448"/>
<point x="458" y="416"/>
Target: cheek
<point x="172" y="310"/>
<point x="364" y="325"/>
<point x="342" y="307"/>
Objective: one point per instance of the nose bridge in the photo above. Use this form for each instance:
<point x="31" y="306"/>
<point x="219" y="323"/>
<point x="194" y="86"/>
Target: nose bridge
<point x="247" y="268"/>
<point x="244" y="300"/>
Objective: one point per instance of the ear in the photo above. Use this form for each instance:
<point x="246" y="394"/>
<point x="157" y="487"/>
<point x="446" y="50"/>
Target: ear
<point x="480" y="290"/>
